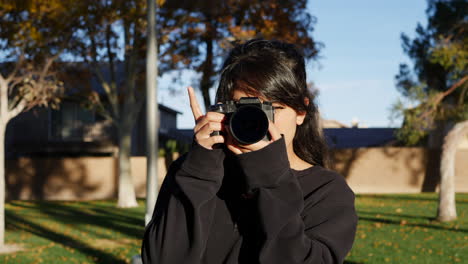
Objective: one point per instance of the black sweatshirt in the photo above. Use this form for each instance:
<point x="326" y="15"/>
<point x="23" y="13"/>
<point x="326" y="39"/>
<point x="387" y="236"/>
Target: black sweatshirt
<point x="216" y="207"/>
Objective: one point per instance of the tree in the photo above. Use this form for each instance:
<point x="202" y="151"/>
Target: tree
<point x="196" y="34"/>
<point x="32" y="34"/>
<point x="112" y="43"/>
<point x="440" y="56"/>
<point x="191" y="34"/>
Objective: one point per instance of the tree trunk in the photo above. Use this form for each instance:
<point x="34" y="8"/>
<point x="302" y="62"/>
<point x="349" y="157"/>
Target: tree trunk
<point x="207" y="74"/>
<point x="126" y="192"/>
<point x="447" y="208"/>
<point x="2" y="183"/>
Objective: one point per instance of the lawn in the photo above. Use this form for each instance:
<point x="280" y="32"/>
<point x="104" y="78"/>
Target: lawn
<point x="392" y="229"/>
<point x="402" y="229"/>
<point x="73" y="232"/>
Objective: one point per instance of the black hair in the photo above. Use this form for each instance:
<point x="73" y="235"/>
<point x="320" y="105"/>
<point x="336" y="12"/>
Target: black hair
<point x="275" y="70"/>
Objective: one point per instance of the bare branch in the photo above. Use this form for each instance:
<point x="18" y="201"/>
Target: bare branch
<point x="462" y="95"/>
<point x="453" y="87"/>
<point x="107" y="116"/>
<point x="110" y="92"/>
<point x="108" y="88"/>
<point x="102" y="110"/>
<point x="18" y="65"/>
<point x="109" y="53"/>
<point x="441" y="96"/>
<point x="3" y="82"/>
<point x="47" y="65"/>
<point x="13" y="83"/>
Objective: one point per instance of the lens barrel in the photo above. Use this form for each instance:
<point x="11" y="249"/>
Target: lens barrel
<point x="249" y="124"/>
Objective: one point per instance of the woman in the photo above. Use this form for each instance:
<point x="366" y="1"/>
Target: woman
<point x="269" y="202"/>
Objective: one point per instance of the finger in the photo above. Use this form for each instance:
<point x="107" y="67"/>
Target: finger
<point x="274" y="132"/>
<point x="215" y="116"/>
<point x="209" y="117"/>
<point x="207" y="129"/>
<point x="209" y="142"/>
<point x="196" y="110"/>
<point x="234" y="150"/>
<point x="239" y="149"/>
<point x="231" y="145"/>
<point x="254" y="147"/>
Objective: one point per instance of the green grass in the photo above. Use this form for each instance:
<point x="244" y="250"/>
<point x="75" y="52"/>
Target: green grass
<point x="392" y="229"/>
<point x="73" y="232"/>
<point x="402" y="229"/>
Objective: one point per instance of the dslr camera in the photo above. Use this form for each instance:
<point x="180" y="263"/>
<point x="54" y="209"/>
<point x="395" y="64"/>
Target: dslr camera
<point x="247" y="119"/>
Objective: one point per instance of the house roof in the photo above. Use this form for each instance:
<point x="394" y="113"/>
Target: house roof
<point x="168" y="109"/>
<point x="359" y="137"/>
<point x="335" y="137"/>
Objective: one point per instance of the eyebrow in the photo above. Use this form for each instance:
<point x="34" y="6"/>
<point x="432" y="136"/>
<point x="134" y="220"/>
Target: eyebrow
<point x="261" y="99"/>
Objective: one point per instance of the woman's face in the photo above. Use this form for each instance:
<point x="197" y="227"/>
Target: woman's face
<point x="286" y="119"/>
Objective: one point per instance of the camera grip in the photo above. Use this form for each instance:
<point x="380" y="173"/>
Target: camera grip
<point x="215" y="133"/>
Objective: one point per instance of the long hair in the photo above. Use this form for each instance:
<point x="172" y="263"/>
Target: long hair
<point x="276" y="71"/>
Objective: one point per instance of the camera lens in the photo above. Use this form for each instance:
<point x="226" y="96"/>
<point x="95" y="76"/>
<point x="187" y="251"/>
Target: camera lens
<point x="249" y="124"/>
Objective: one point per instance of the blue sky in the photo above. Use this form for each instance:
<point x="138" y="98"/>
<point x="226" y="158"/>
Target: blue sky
<point x="355" y="74"/>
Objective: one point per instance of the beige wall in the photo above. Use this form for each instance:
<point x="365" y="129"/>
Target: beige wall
<point x="369" y="170"/>
<point x="84" y="178"/>
<point x="397" y="170"/>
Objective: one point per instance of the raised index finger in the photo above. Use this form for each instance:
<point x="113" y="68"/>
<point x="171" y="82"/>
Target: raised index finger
<point x="197" y="113"/>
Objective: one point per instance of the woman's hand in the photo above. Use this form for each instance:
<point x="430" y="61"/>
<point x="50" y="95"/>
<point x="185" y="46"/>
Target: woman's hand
<point x="239" y="149"/>
<point x="212" y="121"/>
<point x="205" y="124"/>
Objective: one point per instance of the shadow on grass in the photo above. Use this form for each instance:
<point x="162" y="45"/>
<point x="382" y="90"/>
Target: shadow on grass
<point x="397" y="222"/>
<point x="120" y="220"/>
<point x="351" y="262"/>
<point x="403" y="216"/>
<point x="399" y="197"/>
<point x="127" y="223"/>
<point x="29" y="226"/>
<point x="410" y="197"/>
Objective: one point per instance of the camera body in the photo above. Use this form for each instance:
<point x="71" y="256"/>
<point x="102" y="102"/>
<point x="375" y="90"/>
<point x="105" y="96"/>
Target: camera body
<point x="247" y="119"/>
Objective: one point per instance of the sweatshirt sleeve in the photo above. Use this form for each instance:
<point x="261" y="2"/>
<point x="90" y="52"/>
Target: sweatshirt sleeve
<point x="178" y="231"/>
<point x="296" y="227"/>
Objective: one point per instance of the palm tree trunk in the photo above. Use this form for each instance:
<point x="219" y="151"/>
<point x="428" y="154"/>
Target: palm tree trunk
<point x="447" y="207"/>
